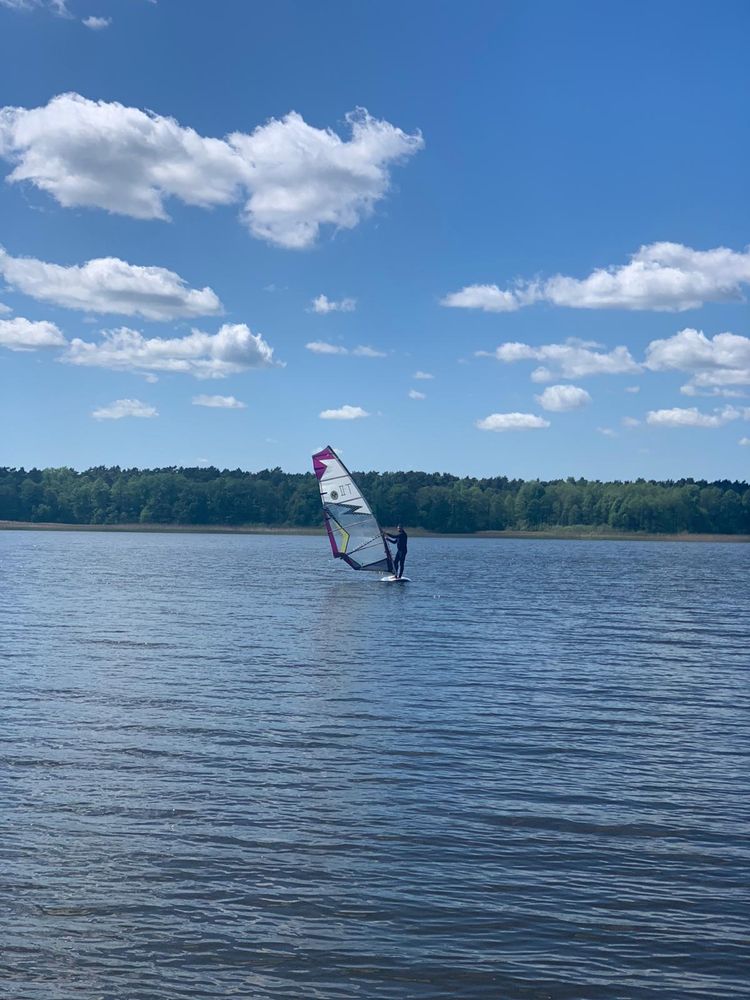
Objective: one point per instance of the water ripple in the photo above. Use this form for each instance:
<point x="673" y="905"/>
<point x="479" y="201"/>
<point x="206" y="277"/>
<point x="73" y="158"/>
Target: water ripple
<point x="232" y="768"/>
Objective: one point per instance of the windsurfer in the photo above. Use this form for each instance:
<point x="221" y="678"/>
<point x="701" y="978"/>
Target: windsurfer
<point x="399" y="540"/>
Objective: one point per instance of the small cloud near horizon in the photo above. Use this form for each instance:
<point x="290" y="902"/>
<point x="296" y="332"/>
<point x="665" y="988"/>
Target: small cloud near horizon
<point x="124" y="408"/>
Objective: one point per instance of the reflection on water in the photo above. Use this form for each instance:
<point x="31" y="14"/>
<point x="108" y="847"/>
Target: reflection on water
<point x="232" y="767"/>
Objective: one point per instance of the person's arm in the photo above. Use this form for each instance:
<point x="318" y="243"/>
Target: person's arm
<point x="391" y="538"/>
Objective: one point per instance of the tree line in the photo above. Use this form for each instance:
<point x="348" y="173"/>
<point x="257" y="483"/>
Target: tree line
<point x="433" y="501"/>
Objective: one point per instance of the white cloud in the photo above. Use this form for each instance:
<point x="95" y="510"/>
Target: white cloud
<point x="693" y="390"/>
<point x="345" y="412"/>
<point x="632" y="388"/>
<point x="4" y="310"/>
<point x="744" y="441"/>
<point x="322" y="347"/>
<point x="692" y="417"/>
<point x="573" y="359"/>
<point x="125" y="408"/>
<point x="489" y="298"/>
<point x="423" y="375"/>
<point x="667" y="277"/>
<point x="630" y="422"/>
<point x="97" y="23"/>
<point x="293" y="177"/>
<point x="607" y="432"/>
<point x="109" y="285"/>
<point x="511" y="422"/>
<point x="233" y="349"/>
<point x="322" y="304"/>
<point x="413" y="394"/>
<point x="715" y="362"/>
<point x="20" y="334"/>
<point x="368" y="352"/>
<point x="56" y="6"/>
<point x="219" y="402"/>
<point x="559" y="398"/>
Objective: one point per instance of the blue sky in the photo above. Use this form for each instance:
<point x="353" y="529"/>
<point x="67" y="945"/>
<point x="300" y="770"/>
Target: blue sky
<point x="211" y="256"/>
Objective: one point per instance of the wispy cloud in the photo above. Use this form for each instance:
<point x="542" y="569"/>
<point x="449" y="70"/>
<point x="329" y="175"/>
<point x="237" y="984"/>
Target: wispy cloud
<point x="345" y="412"/>
<point x="363" y="351"/>
<point x="125" y="408"/>
<point x="292" y="177"/>
<point x="219" y="402"/>
<point x="58" y="7"/>
<point x="512" y="422"/>
<point x="414" y="394"/>
<point x="322" y="347"/>
<point x="233" y="349"/>
<point x="19" y="334"/>
<point x="422" y="375"/>
<point x="664" y="277"/>
<point x="109" y="285"/>
<point x="322" y="305"/>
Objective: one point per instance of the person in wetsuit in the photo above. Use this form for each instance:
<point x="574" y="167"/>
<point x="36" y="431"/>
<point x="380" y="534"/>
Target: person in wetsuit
<point x="400" y="541"/>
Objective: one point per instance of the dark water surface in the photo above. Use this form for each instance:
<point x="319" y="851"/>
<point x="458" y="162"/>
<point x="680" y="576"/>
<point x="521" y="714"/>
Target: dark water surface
<point x="233" y="768"/>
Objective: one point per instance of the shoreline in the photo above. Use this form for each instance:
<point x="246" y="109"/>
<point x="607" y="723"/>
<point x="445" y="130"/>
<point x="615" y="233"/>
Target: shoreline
<point x="559" y="534"/>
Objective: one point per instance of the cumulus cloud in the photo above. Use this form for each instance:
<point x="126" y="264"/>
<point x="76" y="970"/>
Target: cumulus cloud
<point x="559" y="398"/>
<point x="125" y="408"/>
<point x="322" y="304"/>
<point x="713" y="363"/>
<point x="423" y="375"/>
<point x="512" y="422"/>
<point x="97" y="23"/>
<point x="573" y="359"/>
<point x="413" y="394"/>
<point x="488" y="298"/>
<point x="219" y="402"/>
<point x="665" y="277"/>
<point x="233" y="349"/>
<point x="693" y="417"/>
<point x="322" y="347"/>
<point x="109" y="285"/>
<point x="345" y="412"/>
<point x="292" y="177"/>
<point x="20" y="334"/>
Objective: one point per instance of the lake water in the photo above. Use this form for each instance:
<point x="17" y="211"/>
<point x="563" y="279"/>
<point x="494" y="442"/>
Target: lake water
<point x="233" y="768"/>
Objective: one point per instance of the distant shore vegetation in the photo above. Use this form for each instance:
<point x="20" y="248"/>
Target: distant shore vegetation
<point x="434" y="502"/>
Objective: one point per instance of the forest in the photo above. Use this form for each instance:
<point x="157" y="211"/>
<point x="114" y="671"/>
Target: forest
<point x="435" y="502"/>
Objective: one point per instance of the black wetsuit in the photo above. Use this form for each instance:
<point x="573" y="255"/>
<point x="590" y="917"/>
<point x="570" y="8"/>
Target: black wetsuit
<point x="400" y="541"/>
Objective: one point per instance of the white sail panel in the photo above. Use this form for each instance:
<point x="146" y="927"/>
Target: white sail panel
<point x="353" y="531"/>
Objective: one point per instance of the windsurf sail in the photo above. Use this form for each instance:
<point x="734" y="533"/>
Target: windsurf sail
<point x="353" y="531"/>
